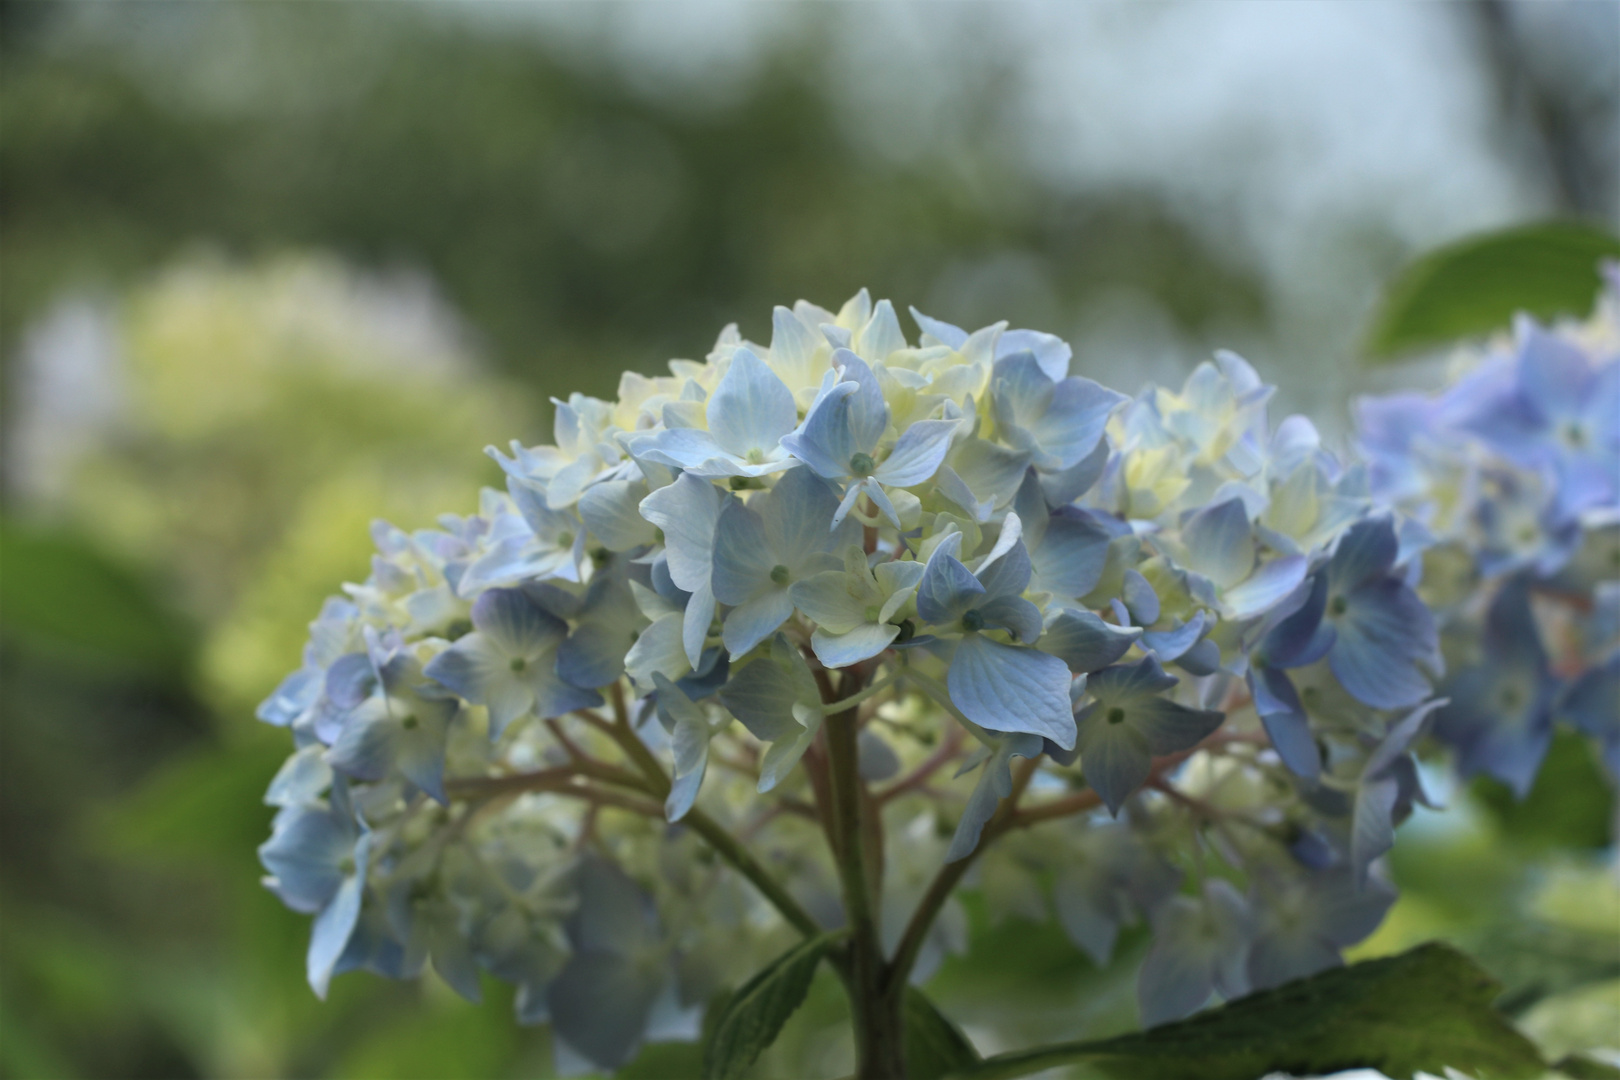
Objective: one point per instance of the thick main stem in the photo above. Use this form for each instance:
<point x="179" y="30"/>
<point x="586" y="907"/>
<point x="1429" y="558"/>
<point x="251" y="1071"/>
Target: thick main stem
<point x="879" y="1029"/>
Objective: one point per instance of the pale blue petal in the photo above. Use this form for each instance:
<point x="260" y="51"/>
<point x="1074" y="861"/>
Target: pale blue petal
<point x="918" y="453"/>
<point x="827" y="600"/>
<point x="1007" y="688"/>
<point x="658" y="650"/>
<point x="330" y="934"/>
<point x="1070" y="557"/>
<point x="876" y="759"/>
<point x="514" y="624"/>
<point x="554" y="696"/>
<point x="600" y="1003"/>
<point x="1220" y="543"/>
<point x="882" y="335"/>
<point x="1140" y="599"/>
<point x="1074" y="424"/>
<point x="794" y="514"/>
<point x="611" y="511"/>
<point x="1127" y="683"/>
<point x="304" y="854"/>
<point x="792" y="342"/>
<point x="1015" y="614"/>
<point x="1168" y="645"/>
<point x="1368" y="549"/>
<point x="1177" y="976"/>
<point x="691" y="449"/>
<point x="1171" y="727"/>
<point x="742" y="559"/>
<point x="1049" y="350"/>
<point x="687" y="512"/>
<point x="825" y="441"/>
<point x="1203" y="658"/>
<point x="942" y="332"/>
<point x="1372" y="830"/>
<point x="301" y="778"/>
<point x="1275" y="958"/>
<point x="995" y="784"/>
<point x="1115" y="758"/>
<point x="1383" y="633"/>
<point x="1009" y="574"/>
<point x="1067" y="485"/>
<point x="754" y="620"/>
<point x="1283" y="715"/>
<point x="947" y="588"/>
<point x="1085" y="642"/>
<point x="861" y="643"/>
<point x="751" y="409"/>
<point x="696" y="622"/>
<point x="1269" y="586"/>
<point x="761" y="696"/>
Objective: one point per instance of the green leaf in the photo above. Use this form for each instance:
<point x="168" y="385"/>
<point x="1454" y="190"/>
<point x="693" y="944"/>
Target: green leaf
<point x="935" y="1047"/>
<point x="1476" y="285"/>
<point x="1422" y="1010"/>
<point x="754" y="1015"/>
<point x="1534" y="959"/>
<point x="1571" y="804"/>
<point x="1581" y="1067"/>
<point x="61" y="594"/>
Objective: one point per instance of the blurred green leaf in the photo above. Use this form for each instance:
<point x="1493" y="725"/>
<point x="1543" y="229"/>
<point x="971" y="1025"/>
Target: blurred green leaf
<point x="207" y="805"/>
<point x="1423" y="1010"/>
<point x="1571" y="804"/>
<point x="1534" y="959"/>
<point x="1581" y="1067"/>
<point x="1476" y="285"/>
<point x="754" y="1015"/>
<point x="447" y="1038"/>
<point x="59" y="592"/>
<point x="935" y="1047"/>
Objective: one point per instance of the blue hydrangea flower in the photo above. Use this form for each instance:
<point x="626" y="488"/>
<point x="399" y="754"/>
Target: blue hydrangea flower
<point x="316" y="856"/>
<point x="1129" y="722"/>
<point x="401" y="724"/>
<point x="763" y="546"/>
<point x="843" y="437"/>
<point x="1000" y="687"/>
<point x="1383" y="634"/>
<point x="1199" y="948"/>
<point x="509" y="662"/>
<point x="1500" y="714"/>
<point x="855" y="609"/>
<point x="748" y="414"/>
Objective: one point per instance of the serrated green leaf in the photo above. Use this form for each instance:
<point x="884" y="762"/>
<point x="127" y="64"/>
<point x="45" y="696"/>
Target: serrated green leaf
<point x="935" y="1047"/>
<point x="1422" y="1010"/>
<point x="1475" y="286"/>
<point x="753" y="1016"/>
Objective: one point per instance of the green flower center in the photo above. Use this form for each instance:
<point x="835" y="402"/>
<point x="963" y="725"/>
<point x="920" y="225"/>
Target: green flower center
<point x="1338" y="605"/>
<point x="862" y="464"/>
<point x="409" y="723"/>
<point x="973" y="621"/>
<point x="518" y="663"/>
<point x="780" y="574"/>
<point x="1116" y="715"/>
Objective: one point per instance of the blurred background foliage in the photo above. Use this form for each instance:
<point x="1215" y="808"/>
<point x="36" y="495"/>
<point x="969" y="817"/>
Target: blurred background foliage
<point x="270" y="271"/>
